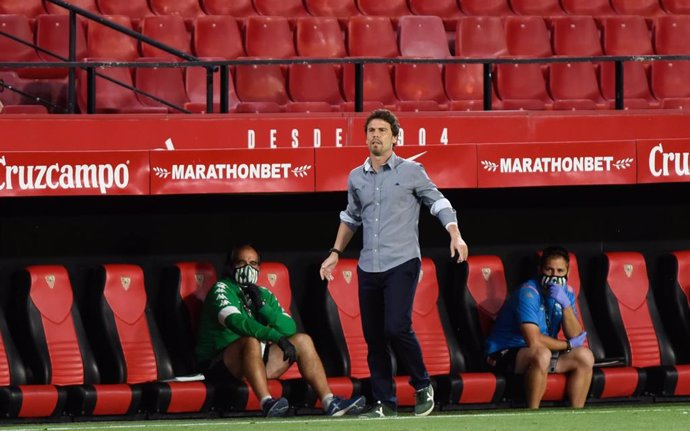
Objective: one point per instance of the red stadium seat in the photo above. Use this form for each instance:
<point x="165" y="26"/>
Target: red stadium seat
<point x="28" y="8"/>
<point x="135" y="9"/>
<point x="522" y="86"/>
<point x="447" y="10"/>
<point x="637" y="7"/>
<point x="19" y="27"/>
<point x="24" y="109"/>
<point x="285" y="8"/>
<point x="575" y="86"/>
<point x="464" y="84"/>
<point x="626" y="35"/>
<point x="167" y="29"/>
<point x="217" y="36"/>
<point x="111" y="97"/>
<point x="89" y="5"/>
<point x="335" y="8"/>
<point x="537" y="7"/>
<point x="636" y="91"/>
<point x="196" y="85"/>
<point x="165" y="83"/>
<point x="672" y="35"/>
<point x="422" y="36"/>
<point x="52" y="34"/>
<point x="419" y="87"/>
<point x="269" y="36"/>
<point x="188" y="9"/>
<point x="672" y="294"/>
<point x="56" y="340"/>
<point x="377" y="85"/>
<point x="676" y="6"/>
<point x="102" y="41"/>
<point x="315" y="86"/>
<point x="486" y="7"/>
<point x="390" y="8"/>
<point x="625" y="299"/>
<point x="129" y="346"/>
<point x="670" y="83"/>
<point x="587" y="7"/>
<point x="235" y="8"/>
<point x="319" y="37"/>
<point x="528" y="36"/>
<point x="261" y="88"/>
<point x="576" y="36"/>
<point x="371" y="36"/>
<point x="480" y="37"/>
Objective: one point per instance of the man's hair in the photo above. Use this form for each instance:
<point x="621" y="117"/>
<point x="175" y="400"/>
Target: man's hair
<point x="551" y="252"/>
<point x="385" y="115"/>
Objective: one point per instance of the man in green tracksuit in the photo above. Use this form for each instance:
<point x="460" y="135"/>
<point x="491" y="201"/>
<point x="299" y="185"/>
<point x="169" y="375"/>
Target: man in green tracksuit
<point x="244" y="327"/>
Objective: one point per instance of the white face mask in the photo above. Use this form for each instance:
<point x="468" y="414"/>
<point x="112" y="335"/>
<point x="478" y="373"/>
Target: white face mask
<point x="246" y="274"/>
<point x="548" y="280"/>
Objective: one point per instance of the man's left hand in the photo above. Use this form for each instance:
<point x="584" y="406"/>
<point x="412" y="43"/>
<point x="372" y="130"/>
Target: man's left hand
<point x="458" y="249"/>
<point x="254" y="294"/>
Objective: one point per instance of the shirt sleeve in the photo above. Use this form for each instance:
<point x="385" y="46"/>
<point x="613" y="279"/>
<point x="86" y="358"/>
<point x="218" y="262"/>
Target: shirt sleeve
<point x="529" y="305"/>
<point x="427" y="191"/>
<point x="275" y="315"/>
<point x="352" y="216"/>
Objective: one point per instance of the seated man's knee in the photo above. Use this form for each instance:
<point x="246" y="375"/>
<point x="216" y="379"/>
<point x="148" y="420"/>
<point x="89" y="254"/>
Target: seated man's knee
<point x="584" y="357"/>
<point x="302" y="341"/>
<point x="540" y="357"/>
<point x="249" y="347"/>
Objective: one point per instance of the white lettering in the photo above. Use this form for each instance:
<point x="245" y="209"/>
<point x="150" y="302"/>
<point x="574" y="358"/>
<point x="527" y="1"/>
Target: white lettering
<point x="422" y="136"/>
<point x="228" y="171"/>
<point x="681" y="165"/>
<point x="444" y="136"/>
<point x="273" y="138"/>
<point x="251" y="138"/>
<point x="338" y="137"/>
<point x="317" y="138"/>
<point x="556" y="164"/>
<point x="295" y="138"/>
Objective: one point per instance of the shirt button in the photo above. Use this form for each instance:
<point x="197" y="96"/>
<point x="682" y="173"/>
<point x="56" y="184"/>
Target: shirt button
<point x="376" y="234"/>
<point x="376" y="250"/>
<point x="377" y="189"/>
<point x="377" y="203"/>
<point x="376" y="219"/>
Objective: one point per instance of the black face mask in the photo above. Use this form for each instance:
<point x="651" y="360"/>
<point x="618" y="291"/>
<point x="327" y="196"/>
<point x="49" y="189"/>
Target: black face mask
<point x="548" y="280"/>
<point x="246" y="274"/>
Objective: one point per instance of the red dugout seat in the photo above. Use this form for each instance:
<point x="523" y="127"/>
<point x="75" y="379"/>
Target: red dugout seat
<point x="486" y="7"/>
<point x="129" y="347"/>
<point x="587" y="7"/>
<point x="673" y="296"/>
<point x="537" y="7"/>
<point x="55" y="342"/>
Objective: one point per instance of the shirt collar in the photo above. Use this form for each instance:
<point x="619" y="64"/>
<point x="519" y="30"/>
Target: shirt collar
<point x="392" y="162"/>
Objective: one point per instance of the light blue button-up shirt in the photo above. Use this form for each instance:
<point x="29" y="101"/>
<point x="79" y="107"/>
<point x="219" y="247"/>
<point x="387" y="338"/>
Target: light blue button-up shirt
<point x="387" y="204"/>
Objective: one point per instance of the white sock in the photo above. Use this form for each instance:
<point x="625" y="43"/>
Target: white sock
<point x="326" y="400"/>
<point x="264" y="399"/>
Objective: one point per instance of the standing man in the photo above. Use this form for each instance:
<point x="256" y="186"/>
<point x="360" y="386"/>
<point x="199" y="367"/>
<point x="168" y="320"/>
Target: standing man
<point x="384" y="195"/>
<point x="246" y="332"/>
<point x="523" y="339"/>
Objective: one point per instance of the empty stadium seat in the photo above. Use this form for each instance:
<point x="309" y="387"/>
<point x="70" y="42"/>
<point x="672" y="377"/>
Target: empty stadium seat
<point x="217" y="36"/>
<point x="20" y="399"/>
<point x="627" y="307"/>
<point x="576" y="36"/>
<point x="261" y="88"/>
<point x="636" y="89"/>
<point x="527" y="36"/>
<point x="371" y="36"/>
<point x="135" y="9"/>
<point x="235" y="8"/>
<point x="537" y="7"/>
<point x="52" y="34"/>
<point x="440" y="351"/>
<point x="269" y="36"/>
<point x="522" y="86"/>
<point x="587" y="7"/>
<point x="377" y="86"/>
<point x="188" y="9"/>
<point x="422" y="36"/>
<point x="314" y="87"/>
<point x="670" y="84"/>
<point x="167" y="29"/>
<point x="637" y="7"/>
<point x="419" y="87"/>
<point x="196" y="86"/>
<point x="390" y="8"/>
<point x="129" y="348"/>
<point x="111" y="97"/>
<point x="319" y="37"/>
<point x="104" y="42"/>
<point x="464" y="84"/>
<point x="336" y="8"/>
<point x="447" y="10"/>
<point x="676" y="6"/>
<point x="672" y="294"/>
<point x="284" y="8"/>
<point x="486" y="7"/>
<point x="166" y="83"/>
<point x="24" y="109"/>
<point x="480" y="37"/>
<point x="575" y="86"/>
<point x="55" y="341"/>
<point x="89" y="5"/>
<point x="28" y="8"/>
<point x="672" y="35"/>
<point x="10" y="50"/>
<point x="626" y="35"/>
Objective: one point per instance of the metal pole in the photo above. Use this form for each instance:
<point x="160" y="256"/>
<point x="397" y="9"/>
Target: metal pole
<point x="90" y="90"/>
<point x="209" y="90"/>
<point x="359" y="87"/>
<point x="488" y="93"/>
<point x="619" y="85"/>
<point x="71" y="80"/>
<point x="224" y="88"/>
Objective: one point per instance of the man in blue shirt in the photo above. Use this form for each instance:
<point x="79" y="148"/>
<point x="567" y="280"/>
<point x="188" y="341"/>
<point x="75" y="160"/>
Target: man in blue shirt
<point x="523" y="339"/>
<point x="384" y="197"/>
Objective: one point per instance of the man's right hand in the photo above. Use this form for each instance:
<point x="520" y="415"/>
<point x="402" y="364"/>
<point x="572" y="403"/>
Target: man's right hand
<point x="328" y="265"/>
<point x="289" y="351"/>
<point x="558" y="293"/>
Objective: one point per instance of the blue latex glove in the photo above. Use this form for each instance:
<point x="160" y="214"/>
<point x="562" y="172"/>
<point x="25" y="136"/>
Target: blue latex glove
<point x="579" y="340"/>
<point x="558" y="292"/>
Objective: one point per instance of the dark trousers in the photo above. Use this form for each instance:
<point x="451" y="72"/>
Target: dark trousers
<point x="385" y="303"/>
